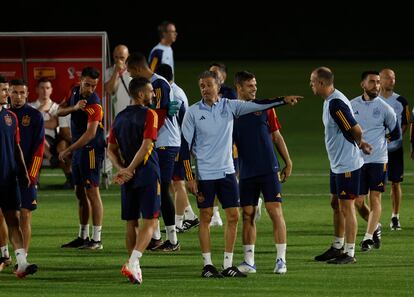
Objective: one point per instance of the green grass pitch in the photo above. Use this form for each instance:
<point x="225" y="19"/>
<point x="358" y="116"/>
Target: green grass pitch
<point x="385" y="272"/>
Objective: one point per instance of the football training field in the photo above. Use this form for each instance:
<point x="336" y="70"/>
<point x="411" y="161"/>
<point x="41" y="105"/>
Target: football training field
<point x="388" y="271"/>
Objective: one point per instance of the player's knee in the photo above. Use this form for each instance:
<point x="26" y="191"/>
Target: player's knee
<point x="232" y="216"/>
<point x="248" y="215"/>
<point x="359" y="202"/>
<point x="205" y="215"/>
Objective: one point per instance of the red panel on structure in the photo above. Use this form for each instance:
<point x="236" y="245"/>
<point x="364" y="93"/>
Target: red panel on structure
<point x="10" y="47"/>
<point x="59" y="47"/>
<point x="11" y="70"/>
<point x="64" y="75"/>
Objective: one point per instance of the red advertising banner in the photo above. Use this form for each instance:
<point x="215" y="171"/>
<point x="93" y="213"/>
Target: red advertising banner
<point x="63" y="75"/>
<point x="11" y="70"/>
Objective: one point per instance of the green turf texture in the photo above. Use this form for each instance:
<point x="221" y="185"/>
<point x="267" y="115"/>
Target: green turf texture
<point x="385" y="272"/>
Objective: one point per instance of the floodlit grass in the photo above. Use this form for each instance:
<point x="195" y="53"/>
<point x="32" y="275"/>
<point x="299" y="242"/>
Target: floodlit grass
<point x="385" y="272"/>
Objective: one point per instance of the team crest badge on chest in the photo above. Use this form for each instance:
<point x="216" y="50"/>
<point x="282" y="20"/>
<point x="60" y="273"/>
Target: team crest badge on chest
<point x="26" y="121"/>
<point x="258" y="113"/>
<point x="8" y="120"/>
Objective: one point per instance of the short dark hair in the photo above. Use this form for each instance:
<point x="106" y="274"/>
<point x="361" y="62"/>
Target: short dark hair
<point x="221" y="66"/>
<point x="136" y="85"/>
<point x="242" y="76"/>
<point x="209" y="74"/>
<point x="165" y="71"/>
<point x="90" y="72"/>
<point x="365" y="74"/>
<point x="325" y="74"/>
<point x="18" y="82"/>
<point x="137" y="59"/>
<point x="3" y="80"/>
<point x="163" y="27"/>
<point x="43" y="80"/>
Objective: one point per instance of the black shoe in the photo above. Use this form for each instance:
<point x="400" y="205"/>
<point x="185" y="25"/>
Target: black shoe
<point x="188" y="224"/>
<point x="233" y="271"/>
<point x="395" y="224"/>
<point x="29" y="269"/>
<point x="376" y="237"/>
<point x="154" y="243"/>
<point x="4" y="262"/>
<point x="342" y="259"/>
<point x="331" y="253"/>
<point x="210" y="271"/>
<point x="366" y="245"/>
<point x="167" y="246"/>
<point x="92" y="245"/>
<point x="76" y="243"/>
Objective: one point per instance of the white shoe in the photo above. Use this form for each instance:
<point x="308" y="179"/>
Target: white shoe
<point x="280" y="267"/>
<point x="216" y="221"/>
<point x="258" y="210"/>
<point x="133" y="273"/>
<point x="247" y="268"/>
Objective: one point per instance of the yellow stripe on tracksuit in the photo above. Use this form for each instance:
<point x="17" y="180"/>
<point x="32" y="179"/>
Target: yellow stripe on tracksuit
<point x="35" y="166"/>
<point x="188" y="171"/>
<point x="408" y="114"/>
<point x="341" y="116"/>
<point x="92" y="159"/>
<point x="154" y="63"/>
<point x="148" y="154"/>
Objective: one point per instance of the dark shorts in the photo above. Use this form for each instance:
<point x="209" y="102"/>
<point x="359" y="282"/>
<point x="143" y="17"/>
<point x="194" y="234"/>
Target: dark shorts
<point x="179" y="171"/>
<point x="268" y="184"/>
<point x="166" y="159"/>
<point x="139" y="202"/>
<point x="52" y="143"/>
<point x="10" y="198"/>
<point x="396" y="166"/>
<point x="86" y="167"/>
<point x="345" y="185"/>
<point x="373" y="177"/>
<point x="28" y="197"/>
<point x="225" y="189"/>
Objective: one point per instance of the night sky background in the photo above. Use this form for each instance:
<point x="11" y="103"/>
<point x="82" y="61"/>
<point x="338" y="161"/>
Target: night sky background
<point x="213" y="30"/>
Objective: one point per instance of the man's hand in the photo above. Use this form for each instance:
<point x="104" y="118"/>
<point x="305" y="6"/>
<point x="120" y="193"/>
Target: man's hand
<point x="81" y="104"/>
<point x="286" y="172"/>
<point x="122" y="176"/>
<point x="292" y="100"/>
<point x="64" y="154"/>
<point x="365" y="147"/>
<point x="192" y="186"/>
<point x="120" y="66"/>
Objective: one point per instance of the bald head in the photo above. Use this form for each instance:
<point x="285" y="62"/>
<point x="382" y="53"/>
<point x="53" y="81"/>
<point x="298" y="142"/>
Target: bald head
<point x="387" y="80"/>
<point x="120" y="54"/>
<point x="321" y="81"/>
<point x="324" y="74"/>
